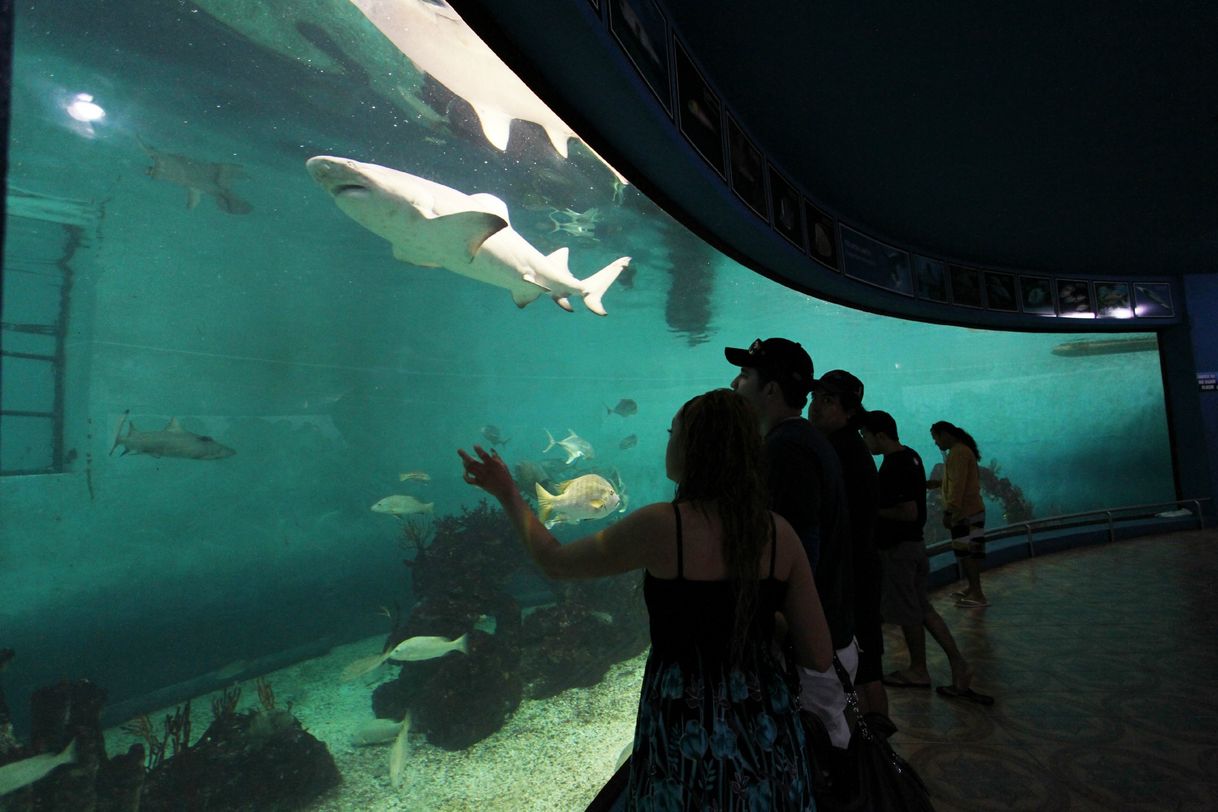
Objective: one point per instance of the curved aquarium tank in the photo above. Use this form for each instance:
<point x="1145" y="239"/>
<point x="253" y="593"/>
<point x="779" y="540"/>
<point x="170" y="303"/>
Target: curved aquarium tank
<point x="267" y="266"/>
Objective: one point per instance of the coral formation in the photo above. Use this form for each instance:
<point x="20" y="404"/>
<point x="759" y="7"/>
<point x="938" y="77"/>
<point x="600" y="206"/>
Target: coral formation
<point x="573" y="642"/>
<point x="463" y="572"/>
<point x="259" y="760"/>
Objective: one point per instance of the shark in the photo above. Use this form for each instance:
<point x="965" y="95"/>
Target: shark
<point x="434" y="226"/>
<point x="440" y="44"/>
<point x="171" y="441"/>
<point x="199" y="177"/>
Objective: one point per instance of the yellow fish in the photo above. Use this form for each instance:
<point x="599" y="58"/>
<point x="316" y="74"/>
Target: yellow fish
<point x="590" y="496"/>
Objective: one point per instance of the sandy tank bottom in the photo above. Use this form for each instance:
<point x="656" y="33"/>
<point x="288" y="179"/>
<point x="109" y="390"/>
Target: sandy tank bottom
<point x="552" y="754"/>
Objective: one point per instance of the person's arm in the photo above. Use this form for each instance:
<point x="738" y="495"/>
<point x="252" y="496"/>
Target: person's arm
<point x="805" y="619"/>
<point x="619" y="548"/>
<point x="900" y="512"/>
<point x="953" y="479"/>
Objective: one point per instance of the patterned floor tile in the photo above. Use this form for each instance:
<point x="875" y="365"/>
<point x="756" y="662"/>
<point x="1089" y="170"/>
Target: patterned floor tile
<point x="1102" y="661"/>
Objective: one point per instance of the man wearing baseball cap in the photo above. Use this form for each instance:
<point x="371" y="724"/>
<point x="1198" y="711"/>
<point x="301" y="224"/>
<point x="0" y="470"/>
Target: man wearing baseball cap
<point x="805" y="481"/>
<point x="837" y="407"/>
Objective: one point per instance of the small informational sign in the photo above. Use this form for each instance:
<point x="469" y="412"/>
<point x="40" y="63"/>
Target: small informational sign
<point x="1207" y="381"/>
<point x="874" y="262"/>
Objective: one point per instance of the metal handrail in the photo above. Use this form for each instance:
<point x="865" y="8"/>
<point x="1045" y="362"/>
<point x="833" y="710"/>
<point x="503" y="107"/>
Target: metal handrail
<point x="1028" y="527"/>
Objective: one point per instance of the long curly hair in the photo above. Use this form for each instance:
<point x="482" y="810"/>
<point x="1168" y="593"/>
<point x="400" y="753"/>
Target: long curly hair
<point x="721" y="453"/>
<point x="943" y="427"/>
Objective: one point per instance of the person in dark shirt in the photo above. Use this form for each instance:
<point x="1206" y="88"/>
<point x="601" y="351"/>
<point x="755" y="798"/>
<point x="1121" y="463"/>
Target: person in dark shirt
<point x="837" y="405"/>
<point x="805" y="482"/>
<point x="902" y="515"/>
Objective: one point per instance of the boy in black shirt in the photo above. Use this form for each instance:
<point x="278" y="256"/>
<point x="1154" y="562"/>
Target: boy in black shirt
<point x="902" y="514"/>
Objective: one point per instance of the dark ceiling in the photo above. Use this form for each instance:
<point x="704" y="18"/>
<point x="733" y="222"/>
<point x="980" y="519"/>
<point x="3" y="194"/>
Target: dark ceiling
<point x="1055" y="137"/>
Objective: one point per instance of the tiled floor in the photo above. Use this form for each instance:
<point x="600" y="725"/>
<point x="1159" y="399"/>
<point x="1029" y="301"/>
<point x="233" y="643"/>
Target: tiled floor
<point x="1104" y="665"/>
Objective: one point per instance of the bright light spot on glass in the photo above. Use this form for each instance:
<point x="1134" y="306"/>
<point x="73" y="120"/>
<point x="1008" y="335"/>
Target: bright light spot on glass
<point x="84" y="109"/>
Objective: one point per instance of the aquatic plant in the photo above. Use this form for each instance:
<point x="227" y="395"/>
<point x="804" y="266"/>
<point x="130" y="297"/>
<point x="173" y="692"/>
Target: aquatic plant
<point x="417" y="532"/>
<point x="1015" y="506"/>
<point x="266" y="695"/>
<point x="259" y="759"/>
<point x="175" y="731"/>
<point x="475" y="553"/>
<point x="226" y="703"/>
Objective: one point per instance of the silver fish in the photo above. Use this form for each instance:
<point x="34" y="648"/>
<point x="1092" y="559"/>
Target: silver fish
<point x="412" y="649"/>
<point x="573" y="444"/>
<point x="199" y="177"/>
<point x="171" y="441"/>
<point x="376" y="731"/>
<point x="494" y="435"/>
<point x="625" y="407"/>
<point x="397" y="756"/>
<point x="590" y="496"/>
<point x="400" y="504"/>
<point x="629" y="441"/>
<point x="28" y="770"/>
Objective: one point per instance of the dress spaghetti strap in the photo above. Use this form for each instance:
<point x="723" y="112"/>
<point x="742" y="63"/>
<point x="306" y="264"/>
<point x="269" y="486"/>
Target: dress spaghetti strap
<point x="773" y="543"/>
<point x="680" y="548"/>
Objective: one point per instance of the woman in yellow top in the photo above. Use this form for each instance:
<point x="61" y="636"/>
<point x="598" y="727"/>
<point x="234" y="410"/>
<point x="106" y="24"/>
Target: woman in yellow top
<point x="963" y="510"/>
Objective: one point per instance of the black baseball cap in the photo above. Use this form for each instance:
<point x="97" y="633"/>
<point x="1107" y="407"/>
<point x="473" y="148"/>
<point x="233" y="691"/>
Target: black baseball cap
<point x="780" y="359"/>
<point x="841" y="383"/>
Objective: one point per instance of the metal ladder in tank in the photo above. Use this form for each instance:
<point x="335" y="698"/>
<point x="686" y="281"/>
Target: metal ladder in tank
<point x="42" y="237"/>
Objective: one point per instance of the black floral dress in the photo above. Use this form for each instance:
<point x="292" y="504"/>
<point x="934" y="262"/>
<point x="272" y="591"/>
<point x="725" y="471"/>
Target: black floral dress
<point x="713" y="734"/>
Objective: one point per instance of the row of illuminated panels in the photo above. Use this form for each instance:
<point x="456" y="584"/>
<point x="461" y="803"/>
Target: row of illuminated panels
<point x="641" y="29"/>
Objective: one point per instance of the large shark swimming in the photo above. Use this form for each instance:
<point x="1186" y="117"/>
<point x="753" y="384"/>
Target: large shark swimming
<point x="435" y="226"/>
<point x="440" y="44"/>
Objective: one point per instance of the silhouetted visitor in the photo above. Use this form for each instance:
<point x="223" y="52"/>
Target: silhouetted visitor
<point x="805" y="484"/>
<point x="963" y="510"/>
<point x="898" y="538"/>
<point x="837" y="405"/>
<point x="718" y="723"/>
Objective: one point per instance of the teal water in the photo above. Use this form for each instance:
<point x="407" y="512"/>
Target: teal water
<point x="291" y="335"/>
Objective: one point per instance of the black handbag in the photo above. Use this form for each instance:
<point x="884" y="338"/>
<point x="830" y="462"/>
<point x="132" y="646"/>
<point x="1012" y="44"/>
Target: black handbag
<point x="868" y="775"/>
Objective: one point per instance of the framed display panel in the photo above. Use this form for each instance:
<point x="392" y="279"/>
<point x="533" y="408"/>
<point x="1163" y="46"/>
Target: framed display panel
<point x="786" y="209"/>
<point x="930" y="279"/>
<point x="746" y="168"/>
<point x="965" y="285"/>
<point x="641" y="30"/>
<point x="822" y="237"/>
<point x="699" y="111"/>
<point x="1074" y="299"/>
<point x="1112" y="300"/>
<point x="875" y="263"/>
<point x="1036" y="295"/>
<point x="1000" y="291"/>
<point x="1152" y="300"/>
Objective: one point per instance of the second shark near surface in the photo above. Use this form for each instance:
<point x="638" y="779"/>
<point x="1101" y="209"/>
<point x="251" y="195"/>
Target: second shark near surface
<point x="435" y="226"/>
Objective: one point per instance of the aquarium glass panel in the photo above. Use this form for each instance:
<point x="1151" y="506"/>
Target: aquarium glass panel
<point x="270" y="365"/>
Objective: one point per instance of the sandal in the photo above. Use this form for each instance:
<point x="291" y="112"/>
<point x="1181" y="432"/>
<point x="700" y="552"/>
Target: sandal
<point x="967" y="694"/>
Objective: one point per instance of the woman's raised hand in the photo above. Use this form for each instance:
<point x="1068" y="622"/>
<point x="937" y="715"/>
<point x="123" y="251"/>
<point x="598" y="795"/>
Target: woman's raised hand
<point x="488" y="472"/>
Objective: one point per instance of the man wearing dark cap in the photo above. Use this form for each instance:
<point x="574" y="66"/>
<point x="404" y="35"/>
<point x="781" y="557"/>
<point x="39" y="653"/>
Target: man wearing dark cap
<point x="805" y="481"/>
<point x="837" y="406"/>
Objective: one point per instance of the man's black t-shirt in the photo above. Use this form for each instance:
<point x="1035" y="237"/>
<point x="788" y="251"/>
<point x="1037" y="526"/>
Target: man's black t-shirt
<point x="806" y="489"/>
<point x="902" y="479"/>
